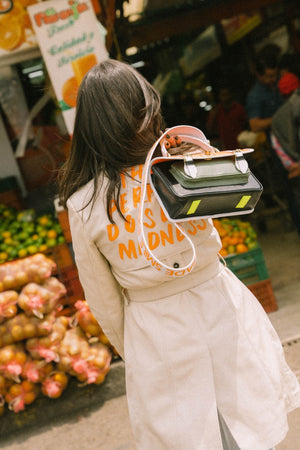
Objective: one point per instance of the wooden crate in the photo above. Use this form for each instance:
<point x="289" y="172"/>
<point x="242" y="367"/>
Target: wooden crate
<point x="62" y="216"/>
<point x="61" y="255"/>
<point x="64" y="223"/>
<point x="263" y="291"/>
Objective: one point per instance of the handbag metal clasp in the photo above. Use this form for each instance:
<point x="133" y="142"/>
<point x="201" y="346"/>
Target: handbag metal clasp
<point x="189" y="167"/>
<point x="240" y="163"/>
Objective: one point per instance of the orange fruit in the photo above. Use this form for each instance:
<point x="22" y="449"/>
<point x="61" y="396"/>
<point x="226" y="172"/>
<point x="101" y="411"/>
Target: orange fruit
<point x="241" y="248"/>
<point x="223" y="252"/>
<point x="233" y="241"/>
<point x="222" y="232"/>
<point x="29" y="397"/>
<point x="11" y="35"/>
<point x="69" y="92"/>
<point x="52" y="234"/>
<point x="225" y="243"/>
<point x="43" y="220"/>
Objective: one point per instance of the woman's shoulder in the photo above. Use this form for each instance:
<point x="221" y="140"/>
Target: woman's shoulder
<point x="81" y="196"/>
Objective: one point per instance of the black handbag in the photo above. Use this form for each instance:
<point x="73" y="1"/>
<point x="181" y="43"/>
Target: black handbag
<point x="182" y="203"/>
<point x="204" y="183"/>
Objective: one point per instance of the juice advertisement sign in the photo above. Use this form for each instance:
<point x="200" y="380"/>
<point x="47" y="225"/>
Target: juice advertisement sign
<point x="71" y="42"/>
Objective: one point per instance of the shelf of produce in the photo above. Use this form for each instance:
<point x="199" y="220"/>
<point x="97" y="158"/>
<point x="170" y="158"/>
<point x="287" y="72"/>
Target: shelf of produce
<point x="41" y="352"/>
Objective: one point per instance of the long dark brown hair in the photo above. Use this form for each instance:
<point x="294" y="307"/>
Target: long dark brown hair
<point x="118" y="118"/>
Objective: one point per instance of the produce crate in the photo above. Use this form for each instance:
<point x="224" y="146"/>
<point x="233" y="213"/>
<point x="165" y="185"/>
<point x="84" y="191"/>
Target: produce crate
<point x="61" y="255"/>
<point x="64" y="223"/>
<point x="249" y="267"/>
<point x="263" y="291"/>
<point x="69" y="277"/>
<point x="62" y="216"/>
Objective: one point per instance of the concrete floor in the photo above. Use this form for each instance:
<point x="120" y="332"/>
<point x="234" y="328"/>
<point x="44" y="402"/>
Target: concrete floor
<point x="107" y="427"/>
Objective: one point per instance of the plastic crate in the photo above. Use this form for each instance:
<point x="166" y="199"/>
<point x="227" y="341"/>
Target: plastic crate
<point x="263" y="291"/>
<point x="249" y="267"/>
<point x="69" y="277"/>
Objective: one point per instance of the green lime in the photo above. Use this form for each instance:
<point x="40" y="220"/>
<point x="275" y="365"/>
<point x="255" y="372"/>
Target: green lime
<point x="22" y="253"/>
<point x="51" y="242"/>
<point x="13" y="253"/>
<point x="61" y="240"/>
<point x="22" y="236"/>
<point x="32" y="249"/>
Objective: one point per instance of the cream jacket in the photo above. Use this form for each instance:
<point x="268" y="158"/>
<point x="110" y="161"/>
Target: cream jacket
<point x="194" y="347"/>
<point x="108" y="256"/>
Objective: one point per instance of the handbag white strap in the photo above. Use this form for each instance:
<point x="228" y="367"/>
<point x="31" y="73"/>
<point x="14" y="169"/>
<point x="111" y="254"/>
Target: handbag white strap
<point x="191" y="135"/>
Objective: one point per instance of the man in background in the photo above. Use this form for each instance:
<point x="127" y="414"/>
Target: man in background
<point x="264" y="98"/>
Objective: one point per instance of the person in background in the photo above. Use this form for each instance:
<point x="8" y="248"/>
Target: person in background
<point x="227" y="119"/>
<point x="262" y="102"/>
<point x="285" y="139"/>
<point x="264" y="98"/>
<point x="204" y="367"/>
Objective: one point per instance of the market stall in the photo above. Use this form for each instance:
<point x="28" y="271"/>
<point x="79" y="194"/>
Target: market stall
<point x="47" y="332"/>
<point x="48" y="337"/>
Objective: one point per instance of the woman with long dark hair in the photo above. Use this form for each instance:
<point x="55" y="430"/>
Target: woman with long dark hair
<point x="205" y="369"/>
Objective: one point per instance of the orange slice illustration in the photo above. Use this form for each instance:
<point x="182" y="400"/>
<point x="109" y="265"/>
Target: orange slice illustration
<point x="69" y="92"/>
<point x="11" y="35"/>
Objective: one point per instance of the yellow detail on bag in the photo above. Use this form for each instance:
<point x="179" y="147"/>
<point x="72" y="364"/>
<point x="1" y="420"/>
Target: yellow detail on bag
<point x="193" y="207"/>
<point x="243" y="202"/>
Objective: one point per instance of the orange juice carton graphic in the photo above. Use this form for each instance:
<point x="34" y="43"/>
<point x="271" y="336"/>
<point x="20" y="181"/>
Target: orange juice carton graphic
<point x="82" y="65"/>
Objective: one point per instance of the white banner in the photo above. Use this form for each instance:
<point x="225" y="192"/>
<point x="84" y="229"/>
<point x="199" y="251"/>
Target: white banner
<point x="71" y="43"/>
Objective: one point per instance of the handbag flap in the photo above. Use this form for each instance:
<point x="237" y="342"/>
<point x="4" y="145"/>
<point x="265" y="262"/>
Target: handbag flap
<point x="214" y="172"/>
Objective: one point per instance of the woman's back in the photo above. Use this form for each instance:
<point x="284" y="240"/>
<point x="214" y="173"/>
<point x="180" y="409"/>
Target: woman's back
<point x="118" y="241"/>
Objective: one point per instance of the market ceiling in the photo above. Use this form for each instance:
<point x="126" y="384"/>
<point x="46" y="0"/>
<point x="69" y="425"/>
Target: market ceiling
<point x="184" y="17"/>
